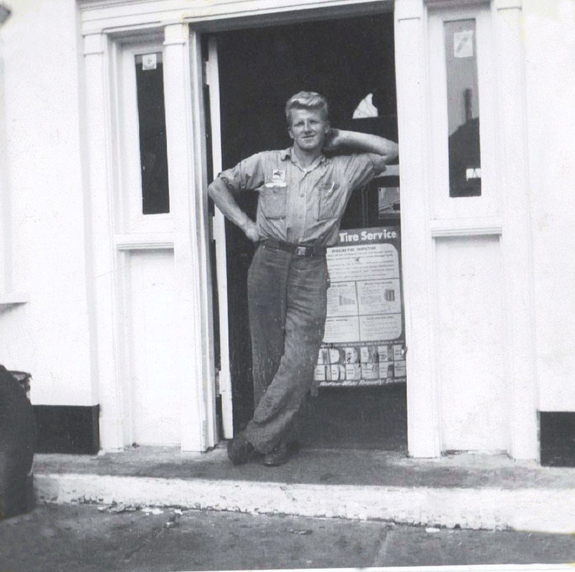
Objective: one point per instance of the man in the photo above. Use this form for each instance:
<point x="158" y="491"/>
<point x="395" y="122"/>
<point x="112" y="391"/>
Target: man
<point x="302" y="198"/>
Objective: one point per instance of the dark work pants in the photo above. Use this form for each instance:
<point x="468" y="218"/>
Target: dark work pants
<point x="287" y="310"/>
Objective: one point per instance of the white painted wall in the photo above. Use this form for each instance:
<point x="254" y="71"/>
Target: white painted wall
<point x="550" y="65"/>
<point x="44" y="203"/>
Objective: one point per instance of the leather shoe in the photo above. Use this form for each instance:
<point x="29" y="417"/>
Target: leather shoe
<point x="240" y="450"/>
<point x="281" y="454"/>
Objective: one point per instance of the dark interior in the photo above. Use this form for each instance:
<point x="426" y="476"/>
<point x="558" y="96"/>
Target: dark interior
<point x="259" y="70"/>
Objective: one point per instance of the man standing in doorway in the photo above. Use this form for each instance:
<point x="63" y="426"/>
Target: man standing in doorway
<point x="302" y="198"/>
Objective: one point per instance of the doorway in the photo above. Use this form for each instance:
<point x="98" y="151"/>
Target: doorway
<point x="351" y="62"/>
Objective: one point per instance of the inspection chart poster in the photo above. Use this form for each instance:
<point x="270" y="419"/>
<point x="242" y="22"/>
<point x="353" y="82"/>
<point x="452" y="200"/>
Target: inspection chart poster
<point x="364" y="334"/>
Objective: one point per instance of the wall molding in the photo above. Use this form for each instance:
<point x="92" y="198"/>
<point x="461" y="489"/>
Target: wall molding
<point x="456" y="4"/>
<point x="466" y="227"/>
<point x="144" y="241"/>
<point x="114" y="15"/>
<point x="12" y="298"/>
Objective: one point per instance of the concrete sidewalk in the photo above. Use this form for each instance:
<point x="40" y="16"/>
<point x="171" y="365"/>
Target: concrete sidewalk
<point x="465" y="491"/>
<point x="87" y="538"/>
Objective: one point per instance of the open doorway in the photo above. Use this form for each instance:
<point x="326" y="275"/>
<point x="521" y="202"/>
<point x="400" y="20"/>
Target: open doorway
<point x="351" y="62"/>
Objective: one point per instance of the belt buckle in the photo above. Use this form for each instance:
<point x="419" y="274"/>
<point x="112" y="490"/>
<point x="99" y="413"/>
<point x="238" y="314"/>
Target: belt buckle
<point x="301" y="250"/>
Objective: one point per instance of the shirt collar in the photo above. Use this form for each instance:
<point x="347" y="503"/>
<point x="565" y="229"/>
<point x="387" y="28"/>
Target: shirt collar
<point x="290" y="154"/>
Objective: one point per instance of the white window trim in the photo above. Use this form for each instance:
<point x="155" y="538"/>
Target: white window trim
<point x="488" y="204"/>
<point x="131" y="218"/>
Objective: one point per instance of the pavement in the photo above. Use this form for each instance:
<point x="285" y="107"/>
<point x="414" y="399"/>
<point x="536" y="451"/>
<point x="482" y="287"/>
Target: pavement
<point x="466" y="491"/>
<point x="94" y="538"/>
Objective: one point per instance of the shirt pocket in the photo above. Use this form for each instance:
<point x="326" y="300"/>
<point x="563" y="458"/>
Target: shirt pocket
<point x="329" y="201"/>
<point x="274" y="200"/>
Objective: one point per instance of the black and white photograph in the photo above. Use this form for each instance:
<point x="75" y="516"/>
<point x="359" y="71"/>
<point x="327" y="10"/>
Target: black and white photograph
<point x="287" y="285"/>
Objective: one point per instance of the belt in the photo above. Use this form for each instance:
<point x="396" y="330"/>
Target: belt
<point x="295" y="249"/>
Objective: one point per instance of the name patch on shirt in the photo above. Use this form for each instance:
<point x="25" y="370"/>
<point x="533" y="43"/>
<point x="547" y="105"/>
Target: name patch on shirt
<point x="278" y="178"/>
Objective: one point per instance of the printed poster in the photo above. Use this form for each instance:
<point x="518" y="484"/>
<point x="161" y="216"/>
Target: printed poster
<point x="364" y="333"/>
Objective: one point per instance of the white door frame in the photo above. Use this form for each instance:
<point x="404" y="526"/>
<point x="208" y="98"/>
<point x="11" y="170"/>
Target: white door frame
<point x="115" y="233"/>
<point x="420" y="227"/>
<point x="219" y="234"/>
<point x="105" y="23"/>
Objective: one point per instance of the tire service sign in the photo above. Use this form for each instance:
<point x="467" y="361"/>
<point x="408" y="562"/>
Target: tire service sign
<point x="364" y="334"/>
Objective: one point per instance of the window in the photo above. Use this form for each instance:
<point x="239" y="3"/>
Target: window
<point x="152" y="132"/>
<point x="462" y="108"/>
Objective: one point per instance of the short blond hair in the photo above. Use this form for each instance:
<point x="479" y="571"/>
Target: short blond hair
<point x="307" y="100"/>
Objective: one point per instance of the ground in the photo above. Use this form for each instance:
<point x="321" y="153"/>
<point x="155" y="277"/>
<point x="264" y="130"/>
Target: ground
<point x="90" y="538"/>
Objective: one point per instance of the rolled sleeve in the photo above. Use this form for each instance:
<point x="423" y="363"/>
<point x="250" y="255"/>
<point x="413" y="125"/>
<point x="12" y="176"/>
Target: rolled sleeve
<point x="247" y="174"/>
<point x="362" y="168"/>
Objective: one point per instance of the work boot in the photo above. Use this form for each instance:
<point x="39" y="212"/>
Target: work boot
<point x="281" y="454"/>
<point x="240" y="450"/>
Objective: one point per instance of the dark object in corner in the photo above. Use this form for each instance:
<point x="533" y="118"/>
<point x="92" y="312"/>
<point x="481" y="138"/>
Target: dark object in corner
<point x="557" y="438"/>
<point x="17" y="441"/>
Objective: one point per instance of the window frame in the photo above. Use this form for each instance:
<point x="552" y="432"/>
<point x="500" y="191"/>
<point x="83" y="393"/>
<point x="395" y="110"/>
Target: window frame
<point x="131" y="216"/>
<point x="488" y="203"/>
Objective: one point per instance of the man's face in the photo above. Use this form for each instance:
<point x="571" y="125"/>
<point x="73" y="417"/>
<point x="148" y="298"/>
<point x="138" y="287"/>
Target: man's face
<point x="308" y="129"/>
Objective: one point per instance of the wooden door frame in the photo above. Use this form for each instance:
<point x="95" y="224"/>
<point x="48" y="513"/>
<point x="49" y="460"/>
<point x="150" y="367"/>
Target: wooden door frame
<point x="105" y="22"/>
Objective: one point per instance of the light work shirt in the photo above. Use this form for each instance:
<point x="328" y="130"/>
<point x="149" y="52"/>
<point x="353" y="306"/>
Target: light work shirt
<point x="302" y="205"/>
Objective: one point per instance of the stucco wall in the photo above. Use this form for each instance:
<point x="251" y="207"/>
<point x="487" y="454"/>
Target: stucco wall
<point x="49" y="335"/>
<point x="550" y="65"/>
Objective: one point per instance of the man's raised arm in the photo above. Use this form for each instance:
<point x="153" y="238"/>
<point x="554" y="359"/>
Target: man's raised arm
<point x="338" y="139"/>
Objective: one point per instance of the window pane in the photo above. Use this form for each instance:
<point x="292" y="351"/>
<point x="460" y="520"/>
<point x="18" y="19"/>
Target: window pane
<point x="152" y="123"/>
<point x="463" y="109"/>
